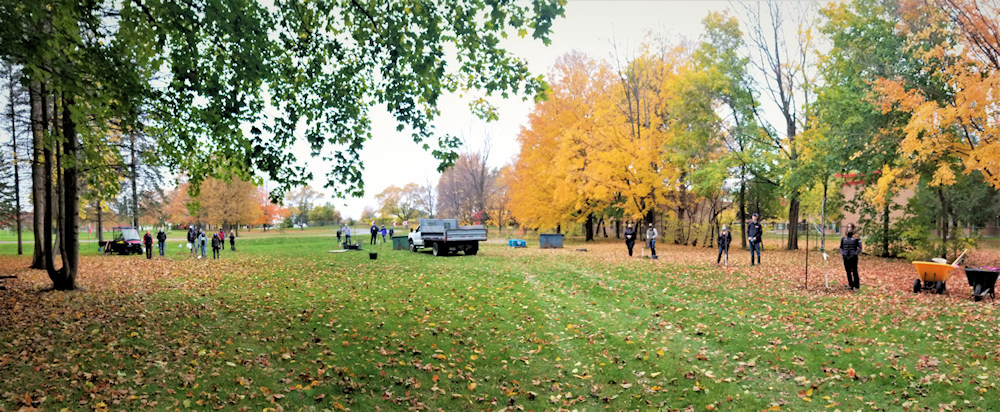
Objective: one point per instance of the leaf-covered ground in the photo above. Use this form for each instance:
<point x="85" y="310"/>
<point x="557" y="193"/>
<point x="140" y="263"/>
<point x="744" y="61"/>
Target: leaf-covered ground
<point x="283" y="324"/>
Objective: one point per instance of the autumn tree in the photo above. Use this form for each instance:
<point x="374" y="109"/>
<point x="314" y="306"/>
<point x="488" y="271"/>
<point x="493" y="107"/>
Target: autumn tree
<point x="323" y="215"/>
<point x="228" y="204"/>
<point x="300" y="201"/>
<point x="400" y="202"/>
<point x="464" y="189"/>
<point x="787" y="74"/>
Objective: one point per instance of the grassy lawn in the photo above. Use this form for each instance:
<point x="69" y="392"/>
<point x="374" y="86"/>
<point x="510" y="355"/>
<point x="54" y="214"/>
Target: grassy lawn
<point x="282" y="323"/>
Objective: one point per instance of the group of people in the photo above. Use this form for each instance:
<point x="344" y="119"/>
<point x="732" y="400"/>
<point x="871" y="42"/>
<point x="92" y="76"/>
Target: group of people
<point x="147" y="241"/>
<point x="344" y="234"/>
<point x="198" y="241"/>
<point x="850" y="246"/>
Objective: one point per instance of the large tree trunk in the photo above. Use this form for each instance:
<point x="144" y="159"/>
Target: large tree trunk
<point x="742" y="213"/>
<point x="100" y="223"/>
<point x="793" y="222"/>
<point x="66" y="276"/>
<point x="135" y="176"/>
<point x="885" y="229"/>
<point x="39" y="121"/>
<point x="13" y="146"/>
<point x="588" y="227"/>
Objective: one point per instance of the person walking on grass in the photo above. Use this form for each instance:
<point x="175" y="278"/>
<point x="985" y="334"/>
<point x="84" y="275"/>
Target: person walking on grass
<point x="629" y="238"/>
<point x="725" y="238"/>
<point x="192" y="240"/>
<point x="201" y="243"/>
<point x="147" y="241"/>
<point x="651" y="235"/>
<point x="232" y="240"/>
<point x="754" y="233"/>
<point x="161" y="240"/>
<point x="850" y="248"/>
<point x="216" y="245"/>
<point x="374" y="231"/>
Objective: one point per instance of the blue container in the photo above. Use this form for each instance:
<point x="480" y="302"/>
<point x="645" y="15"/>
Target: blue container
<point x="550" y="241"/>
<point x="516" y="243"/>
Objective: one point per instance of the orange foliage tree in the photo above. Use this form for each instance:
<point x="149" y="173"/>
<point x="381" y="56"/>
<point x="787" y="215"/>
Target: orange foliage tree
<point x="965" y="121"/>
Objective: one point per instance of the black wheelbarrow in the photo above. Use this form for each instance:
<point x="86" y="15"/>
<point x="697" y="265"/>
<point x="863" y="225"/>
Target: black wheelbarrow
<point x="983" y="282"/>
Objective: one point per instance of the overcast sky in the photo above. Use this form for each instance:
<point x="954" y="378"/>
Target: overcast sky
<point x="591" y="27"/>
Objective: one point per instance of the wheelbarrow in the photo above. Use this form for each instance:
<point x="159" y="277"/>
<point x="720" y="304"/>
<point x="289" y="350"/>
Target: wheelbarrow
<point x="933" y="275"/>
<point x="983" y="281"/>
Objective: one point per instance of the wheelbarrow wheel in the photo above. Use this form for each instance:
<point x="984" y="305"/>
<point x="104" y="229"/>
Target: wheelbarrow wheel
<point x="940" y="288"/>
<point x="916" y="286"/>
<point x="977" y="293"/>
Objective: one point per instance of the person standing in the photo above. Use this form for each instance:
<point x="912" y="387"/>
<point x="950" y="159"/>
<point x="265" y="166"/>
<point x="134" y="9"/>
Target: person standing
<point x="347" y="234"/>
<point x="754" y="233"/>
<point x="192" y="239"/>
<point x="651" y="235"/>
<point x="232" y="240"/>
<point x="374" y="231"/>
<point x="222" y="238"/>
<point x="216" y="245"/>
<point x="383" y="232"/>
<point x="161" y="240"/>
<point x="338" y="236"/>
<point x="147" y="241"/>
<point x="629" y="238"/>
<point x="725" y="238"/>
<point x="850" y="248"/>
<point x="201" y="242"/>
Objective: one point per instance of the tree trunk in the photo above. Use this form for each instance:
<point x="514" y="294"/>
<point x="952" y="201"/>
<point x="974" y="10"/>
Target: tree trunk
<point x="100" y="224"/>
<point x="588" y="227"/>
<point x="17" y="176"/>
<point x="793" y="222"/>
<point x="65" y="278"/>
<point x="742" y="213"/>
<point x="39" y="121"/>
<point x="885" y="229"/>
<point x="822" y="217"/>
<point x="135" y="176"/>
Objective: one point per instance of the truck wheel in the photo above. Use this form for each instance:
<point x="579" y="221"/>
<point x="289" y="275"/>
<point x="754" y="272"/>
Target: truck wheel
<point x="413" y="248"/>
<point x="472" y="250"/>
<point x="438" y="249"/>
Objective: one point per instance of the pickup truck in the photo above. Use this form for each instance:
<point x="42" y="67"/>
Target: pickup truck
<point x="445" y="236"/>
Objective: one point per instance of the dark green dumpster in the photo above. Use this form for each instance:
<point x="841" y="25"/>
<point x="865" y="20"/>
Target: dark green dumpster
<point x="550" y="241"/>
<point x="400" y="243"/>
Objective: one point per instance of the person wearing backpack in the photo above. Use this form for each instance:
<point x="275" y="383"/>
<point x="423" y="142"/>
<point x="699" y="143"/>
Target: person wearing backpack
<point x="850" y="248"/>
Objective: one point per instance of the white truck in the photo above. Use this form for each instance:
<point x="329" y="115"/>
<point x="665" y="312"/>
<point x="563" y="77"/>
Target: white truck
<point x="445" y="236"/>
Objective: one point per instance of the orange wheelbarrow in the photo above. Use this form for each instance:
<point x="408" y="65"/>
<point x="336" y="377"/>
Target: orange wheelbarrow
<point x="933" y="275"/>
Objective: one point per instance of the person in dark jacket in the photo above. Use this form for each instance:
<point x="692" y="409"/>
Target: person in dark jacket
<point x="216" y="245"/>
<point x="629" y="238"/>
<point x="338" y="236"/>
<point x="192" y="236"/>
<point x="725" y="238"/>
<point x="147" y="241"/>
<point x="754" y="233"/>
<point x="232" y="240"/>
<point x="850" y="248"/>
<point x="374" y="231"/>
<point x="161" y="240"/>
